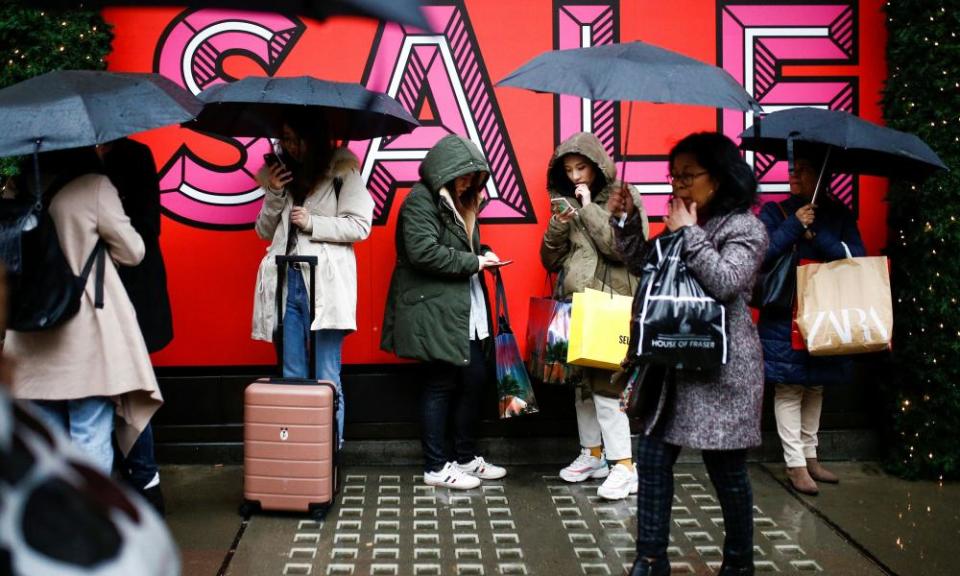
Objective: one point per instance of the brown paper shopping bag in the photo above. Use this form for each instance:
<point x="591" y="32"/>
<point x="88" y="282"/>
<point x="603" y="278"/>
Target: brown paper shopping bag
<point x="844" y="306"/>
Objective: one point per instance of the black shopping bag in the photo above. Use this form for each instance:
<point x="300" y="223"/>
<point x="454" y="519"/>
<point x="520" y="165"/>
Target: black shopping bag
<point x="678" y="324"/>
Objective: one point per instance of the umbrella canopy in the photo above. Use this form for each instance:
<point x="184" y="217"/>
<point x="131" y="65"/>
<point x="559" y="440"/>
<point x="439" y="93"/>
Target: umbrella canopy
<point x="856" y="146"/>
<point x="631" y="71"/>
<point x="402" y="11"/>
<point x="74" y="108"/>
<point x="257" y="105"/>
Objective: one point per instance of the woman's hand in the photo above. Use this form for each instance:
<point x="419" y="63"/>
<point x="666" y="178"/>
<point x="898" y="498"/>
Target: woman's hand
<point x="806" y="215"/>
<point x="274" y="178"/>
<point x="565" y="216"/>
<point x="621" y="202"/>
<point x="582" y="192"/>
<point x="678" y="215"/>
<point x="487" y="260"/>
<point x="301" y="218"/>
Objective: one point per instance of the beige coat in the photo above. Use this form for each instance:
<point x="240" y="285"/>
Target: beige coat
<point x="336" y="226"/>
<point x="98" y="352"/>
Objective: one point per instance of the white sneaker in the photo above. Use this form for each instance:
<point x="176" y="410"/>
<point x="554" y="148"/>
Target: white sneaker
<point x="452" y="477"/>
<point x="482" y="469"/>
<point x="621" y="482"/>
<point x="584" y="467"/>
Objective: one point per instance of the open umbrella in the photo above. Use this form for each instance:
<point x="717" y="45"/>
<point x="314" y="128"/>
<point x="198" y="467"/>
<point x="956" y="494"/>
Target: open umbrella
<point x="631" y="71"/>
<point x="256" y="106"/>
<point x="401" y="11"/>
<point x="853" y="145"/>
<point x="74" y="108"/>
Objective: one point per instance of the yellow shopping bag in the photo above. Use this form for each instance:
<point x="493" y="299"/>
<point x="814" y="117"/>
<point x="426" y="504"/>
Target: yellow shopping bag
<point x="599" y="329"/>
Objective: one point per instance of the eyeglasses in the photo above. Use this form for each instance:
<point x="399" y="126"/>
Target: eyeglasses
<point x="684" y="179"/>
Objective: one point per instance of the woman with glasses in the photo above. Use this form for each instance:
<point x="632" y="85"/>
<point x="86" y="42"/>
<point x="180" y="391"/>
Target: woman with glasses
<point x="315" y="204"/>
<point x="816" y="232"/>
<point x="578" y="244"/>
<point x="717" y="412"/>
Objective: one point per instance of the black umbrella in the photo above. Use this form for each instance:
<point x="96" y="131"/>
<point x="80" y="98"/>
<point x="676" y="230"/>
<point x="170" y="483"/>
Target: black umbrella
<point x="402" y="11"/>
<point x="257" y="106"/>
<point x="631" y="71"/>
<point x="74" y="108"/>
<point x="853" y="145"/>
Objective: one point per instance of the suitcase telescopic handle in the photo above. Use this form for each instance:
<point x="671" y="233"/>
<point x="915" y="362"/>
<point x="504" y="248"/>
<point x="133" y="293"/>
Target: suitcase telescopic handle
<point x="282" y="262"/>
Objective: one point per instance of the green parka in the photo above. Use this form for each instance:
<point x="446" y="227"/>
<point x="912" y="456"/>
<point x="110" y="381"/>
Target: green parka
<point x="584" y="247"/>
<point x="427" y="316"/>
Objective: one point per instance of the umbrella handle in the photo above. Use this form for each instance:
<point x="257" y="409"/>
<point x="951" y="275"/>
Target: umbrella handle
<point x="823" y="171"/>
<point x="626" y="146"/>
<point x="36" y="176"/>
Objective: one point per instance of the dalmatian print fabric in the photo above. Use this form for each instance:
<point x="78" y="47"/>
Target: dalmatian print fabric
<point x="61" y="517"/>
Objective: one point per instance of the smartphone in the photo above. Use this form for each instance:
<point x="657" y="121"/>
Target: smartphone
<point x="560" y="205"/>
<point x="499" y="264"/>
<point x="272" y="159"/>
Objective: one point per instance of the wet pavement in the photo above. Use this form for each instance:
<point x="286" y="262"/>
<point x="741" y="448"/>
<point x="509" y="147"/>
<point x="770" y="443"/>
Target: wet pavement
<point x="386" y="522"/>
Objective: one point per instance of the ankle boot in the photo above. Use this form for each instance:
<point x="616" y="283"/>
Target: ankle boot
<point x="646" y="567"/>
<point x="801" y="481"/>
<point x="819" y="473"/>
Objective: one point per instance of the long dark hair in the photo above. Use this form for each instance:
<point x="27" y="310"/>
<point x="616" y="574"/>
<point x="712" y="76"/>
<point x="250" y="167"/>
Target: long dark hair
<point x="308" y="173"/>
<point x="67" y="165"/>
<point x="472" y="197"/>
<point x="718" y="155"/>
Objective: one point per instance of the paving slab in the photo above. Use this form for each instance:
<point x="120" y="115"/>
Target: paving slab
<point x="202" y="513"/>
<point x="387" y="522"/>
<point x="911" y="528"/>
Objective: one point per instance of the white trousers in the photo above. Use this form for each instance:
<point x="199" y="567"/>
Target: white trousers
<point x="600" y="422"/>
<point x="797" y="409"/>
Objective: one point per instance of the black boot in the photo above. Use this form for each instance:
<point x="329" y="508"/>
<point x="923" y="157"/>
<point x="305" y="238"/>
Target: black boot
<point x="645" y="567"/>
<point x="730" y="570"/>
<point x="154" y="496"/>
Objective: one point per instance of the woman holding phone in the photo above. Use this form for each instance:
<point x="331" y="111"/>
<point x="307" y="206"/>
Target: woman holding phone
<point x="579" y="244"/>
<point x="437" y="308"/>
<point x="315" y="204"/>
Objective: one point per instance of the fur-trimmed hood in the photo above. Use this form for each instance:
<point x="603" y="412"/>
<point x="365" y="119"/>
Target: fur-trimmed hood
<point x="342" y="162"/>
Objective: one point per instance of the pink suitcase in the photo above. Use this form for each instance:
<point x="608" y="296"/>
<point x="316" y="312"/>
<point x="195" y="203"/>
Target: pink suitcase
<point x="290" y="434"/>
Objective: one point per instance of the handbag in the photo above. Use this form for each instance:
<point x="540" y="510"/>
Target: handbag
<point x="513" y="384"/>
<point x="644" y="387"/>
<point x="678" y="324"/>
<point x="845" y="306"/>
<point x="776" y="285"/>
<point x="548" y="334"/>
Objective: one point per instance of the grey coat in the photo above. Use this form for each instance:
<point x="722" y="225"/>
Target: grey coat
<point x="716" y="410"/>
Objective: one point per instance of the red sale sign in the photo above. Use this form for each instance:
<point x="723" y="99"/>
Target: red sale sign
<point x="824" y="54"/>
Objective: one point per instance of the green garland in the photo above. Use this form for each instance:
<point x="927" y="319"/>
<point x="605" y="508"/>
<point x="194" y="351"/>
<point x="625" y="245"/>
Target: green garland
<point x="34" y="41"/>
<point x="922" y="96"/>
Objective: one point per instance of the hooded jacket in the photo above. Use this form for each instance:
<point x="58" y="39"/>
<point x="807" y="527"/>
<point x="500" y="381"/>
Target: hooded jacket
<point x="338" y="222"/>
<point x="427" y="316"/>
<point x="584" y="248"/>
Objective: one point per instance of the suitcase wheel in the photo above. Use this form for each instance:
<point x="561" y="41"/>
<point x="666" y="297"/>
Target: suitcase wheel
<point x="319" y="511"/>
<point x="248" y="508"/>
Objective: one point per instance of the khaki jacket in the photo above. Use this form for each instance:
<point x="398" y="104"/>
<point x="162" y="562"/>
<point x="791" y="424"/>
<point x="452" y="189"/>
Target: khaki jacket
<point x="584" y="247"/>
<point x="98" y="352"/>
<point x="337" y="224"/>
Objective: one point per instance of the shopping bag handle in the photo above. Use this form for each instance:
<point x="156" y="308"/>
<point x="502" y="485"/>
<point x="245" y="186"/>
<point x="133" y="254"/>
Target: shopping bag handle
<point x="503" y="315"/>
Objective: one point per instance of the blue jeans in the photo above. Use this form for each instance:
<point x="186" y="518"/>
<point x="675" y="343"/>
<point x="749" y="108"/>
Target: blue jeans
<point x="452" y="391"/>
<point x="87" y="421"/>
<point x="326" y="343"/>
